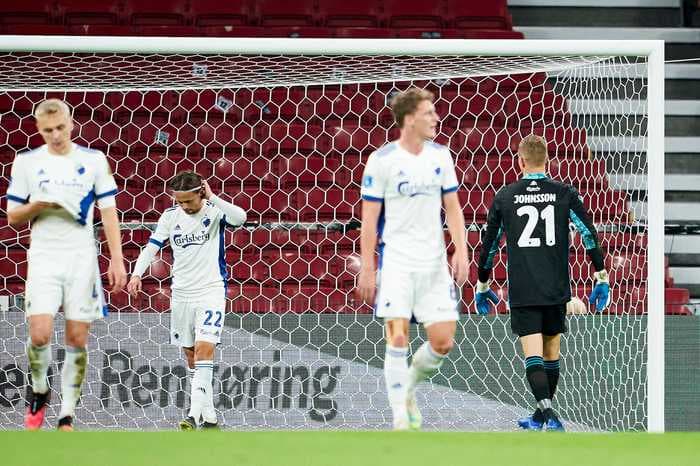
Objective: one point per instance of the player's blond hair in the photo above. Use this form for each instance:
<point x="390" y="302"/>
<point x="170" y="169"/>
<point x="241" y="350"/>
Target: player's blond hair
<point x="533" y="150"/>
<point x="405" y="103"/>
<point x="51" y="107"/>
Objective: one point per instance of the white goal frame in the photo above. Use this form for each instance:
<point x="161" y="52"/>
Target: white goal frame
<point x="652" y="49"/>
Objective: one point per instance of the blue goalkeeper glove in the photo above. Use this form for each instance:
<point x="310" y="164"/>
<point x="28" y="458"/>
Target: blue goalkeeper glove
<point x="483" y="295"/>
<point x="600" y="296"/>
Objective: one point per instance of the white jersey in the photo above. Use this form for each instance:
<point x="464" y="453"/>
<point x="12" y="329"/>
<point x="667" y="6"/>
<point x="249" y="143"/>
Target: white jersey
<point x="411" y="188"/>
<point x="197" y="242"/>
<point x="77" y="180"/>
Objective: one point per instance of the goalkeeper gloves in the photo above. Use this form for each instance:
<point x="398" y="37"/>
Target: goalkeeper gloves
<point x="600" y="296"/>
<point x="483" y="295"/>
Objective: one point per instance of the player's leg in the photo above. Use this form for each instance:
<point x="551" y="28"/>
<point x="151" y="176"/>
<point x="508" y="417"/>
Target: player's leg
<point x="208" y="322"/>
<point x="551" y="361"/>
<point x="182" y="317"/>
<point x="396" y="370"/>
<point x="436" y="309"/>
<point x="202" y="389"/>
<point x="39" y="355"/>
<point x="82" y="304"/>
<point x="73" y="372"/>
<point x="42" y="299"/>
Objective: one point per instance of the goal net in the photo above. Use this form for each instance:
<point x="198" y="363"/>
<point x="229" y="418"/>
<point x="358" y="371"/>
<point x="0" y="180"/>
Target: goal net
<point x="285" y="136"/>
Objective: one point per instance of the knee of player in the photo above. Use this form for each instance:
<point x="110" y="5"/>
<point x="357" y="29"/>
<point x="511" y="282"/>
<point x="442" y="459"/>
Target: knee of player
<point x="443" y="346"/>
<point x="203" y="351"/>
<point x="39" y="338"/>
<point x="398" y="340"/>
<point x="76" y="339"/>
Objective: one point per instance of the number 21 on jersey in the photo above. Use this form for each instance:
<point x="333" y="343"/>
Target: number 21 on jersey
<point x="533" y="215"/>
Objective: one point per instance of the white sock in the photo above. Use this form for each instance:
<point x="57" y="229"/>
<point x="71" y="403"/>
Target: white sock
<point x="201" y="388"/>
<point x="396" y="377"/>
<point x="39" y="360"/>
<point x="425" y="363"/>
<point x="72" y="377"/>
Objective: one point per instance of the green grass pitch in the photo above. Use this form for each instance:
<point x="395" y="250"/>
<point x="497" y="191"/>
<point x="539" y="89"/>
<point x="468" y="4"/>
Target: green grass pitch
<point x="347" y="448"/>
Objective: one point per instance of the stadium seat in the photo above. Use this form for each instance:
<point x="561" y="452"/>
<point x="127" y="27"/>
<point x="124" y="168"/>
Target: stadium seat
<point x="215" y="13"/>
<point x="347" y="15"/>
<point x="26" y="13"/>
<point x="80" y="13"/>
<point x="157" y="13"/>
<point x="413" y="14"/>
<point x="478" y="15"/>
<point x="285" y="12"/>
<point x="364" y="32"/>
<point x="324" y="205"/>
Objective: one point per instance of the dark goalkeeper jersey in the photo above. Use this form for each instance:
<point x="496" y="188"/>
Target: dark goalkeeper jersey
<point x="534" y="214"/>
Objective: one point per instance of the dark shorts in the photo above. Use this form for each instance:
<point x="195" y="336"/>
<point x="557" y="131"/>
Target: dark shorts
<point x="547" y="320"/>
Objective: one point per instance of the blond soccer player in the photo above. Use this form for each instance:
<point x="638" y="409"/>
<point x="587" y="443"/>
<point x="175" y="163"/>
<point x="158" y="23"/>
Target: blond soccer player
<point x="55" y="188"/>
<point x="405" y="186"/>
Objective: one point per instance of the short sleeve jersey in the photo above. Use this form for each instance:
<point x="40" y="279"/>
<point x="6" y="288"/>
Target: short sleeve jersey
<point x="410" y="188"/>
<point x="82" y="175"/>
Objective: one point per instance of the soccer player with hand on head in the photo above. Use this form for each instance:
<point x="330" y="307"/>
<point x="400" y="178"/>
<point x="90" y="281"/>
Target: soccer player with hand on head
<point x="54" y="188"/>
<point x="405" y="186"/>
<point x="195" y="231"/>
<point x="534" y="214"/>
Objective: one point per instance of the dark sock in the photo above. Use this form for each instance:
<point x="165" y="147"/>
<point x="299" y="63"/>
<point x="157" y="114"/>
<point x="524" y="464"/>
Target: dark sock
<point x="552" y="370"/>
<point x="536" y="376"/>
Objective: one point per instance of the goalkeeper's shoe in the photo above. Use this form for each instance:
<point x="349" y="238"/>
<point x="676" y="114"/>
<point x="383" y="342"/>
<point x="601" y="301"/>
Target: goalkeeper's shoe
<point x="65" y="424"/>
<point x="553" y="423"/>
<point x="210" y="426"/>
<point x="188" y="424"/>
<point x="415" y="418"/>
<point x="36" y="410"/>
<point x="533" y="422"/>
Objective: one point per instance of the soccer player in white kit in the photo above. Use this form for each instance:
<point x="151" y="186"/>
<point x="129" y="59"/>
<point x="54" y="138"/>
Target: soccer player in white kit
<point x="55" y="187"/>
<point x="195" y="230"/>
<point x="405" y="186"/>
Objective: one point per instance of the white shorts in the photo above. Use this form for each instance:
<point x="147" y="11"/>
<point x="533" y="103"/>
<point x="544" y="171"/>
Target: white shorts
<point x="197" y="319"/>
<point x="68" y="279"/>
<point x="428" y="296"/>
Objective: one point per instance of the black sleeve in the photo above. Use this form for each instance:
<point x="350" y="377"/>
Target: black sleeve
<point x="490" y="241"/>
<point x="580" y="218"/>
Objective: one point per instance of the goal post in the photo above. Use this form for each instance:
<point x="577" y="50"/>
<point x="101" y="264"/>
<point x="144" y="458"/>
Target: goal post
<point x="251" y="85"/>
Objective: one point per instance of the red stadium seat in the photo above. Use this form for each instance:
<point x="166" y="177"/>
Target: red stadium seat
<point x="364" y="32"/>
<point x="87" y="13"/>
<point x="478" y="15"/>
<point x="26" y="13"/>
<point x="213" y="13"/>
<point x="403" y="14"/>
<point x="285" y="12"/>
<point x="157" y="13"/>
<point x="356" y="14"/>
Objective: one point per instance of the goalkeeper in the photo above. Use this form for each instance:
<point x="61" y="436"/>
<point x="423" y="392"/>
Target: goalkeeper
<point x="534" y="214"/>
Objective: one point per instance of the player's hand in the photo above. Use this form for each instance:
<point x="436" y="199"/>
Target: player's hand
<point x="460" y="268"/>
<point x="600" y="296"/>
<point x="134" y="286"/>
<point x="366" y="284"/>
<point x="483" y="295"/>
<point x="116" y="274"/>
<point x="207" y="190"/>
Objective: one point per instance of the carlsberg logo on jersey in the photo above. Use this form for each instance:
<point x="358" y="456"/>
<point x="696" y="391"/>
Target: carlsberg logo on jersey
<point x="534" y="198"/>
<point x="191" y="239"/>
<point x="417" y="189"/>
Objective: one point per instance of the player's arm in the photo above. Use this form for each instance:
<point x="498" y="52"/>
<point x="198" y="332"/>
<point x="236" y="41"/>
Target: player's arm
<point x="600" y="296"/>
<point x="105" y="192"/>
<point x="455" y="224"/>
<point x="148" y="253"/>
<point x="455" y="219"/>
<point x="20" y="209"/>
<point x="490" y="243"/>
<point x="372" y="191"/>
<point x="371" y="210"/>
<point x="233" y="215"/>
